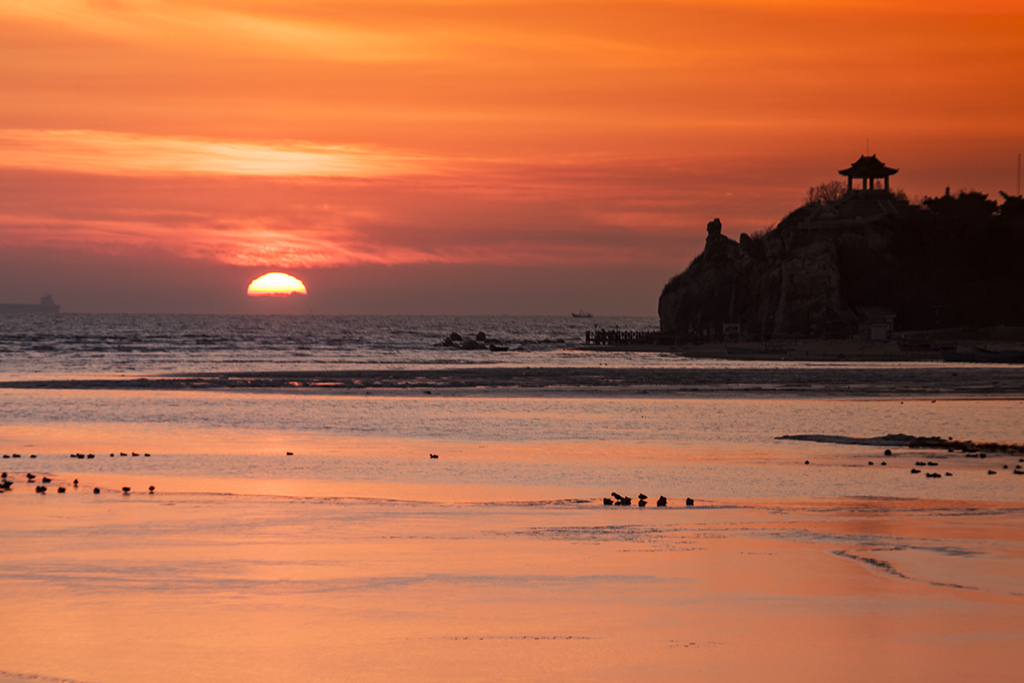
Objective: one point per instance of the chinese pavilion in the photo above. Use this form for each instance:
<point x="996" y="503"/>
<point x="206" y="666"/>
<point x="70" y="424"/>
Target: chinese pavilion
<point x="868" y="169"/>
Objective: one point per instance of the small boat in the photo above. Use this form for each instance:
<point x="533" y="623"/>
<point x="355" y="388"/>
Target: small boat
<point x="582" y="314"/>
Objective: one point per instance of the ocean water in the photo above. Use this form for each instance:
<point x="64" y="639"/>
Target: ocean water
<point x="299" y="530"/>
<point x="82" y="345"/>
<point x="367" y="399"/>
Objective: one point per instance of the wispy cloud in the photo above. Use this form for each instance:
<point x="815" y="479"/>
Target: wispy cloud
<point x="301" y="241"/>
<point x="203" y="25"/>
<point x="117" y="153"/>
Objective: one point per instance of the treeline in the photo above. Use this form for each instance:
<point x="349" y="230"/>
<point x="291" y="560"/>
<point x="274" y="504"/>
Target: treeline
<point x="954" y="261"/>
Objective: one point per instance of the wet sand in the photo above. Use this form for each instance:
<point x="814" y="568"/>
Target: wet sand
<point x="303" y="587"/>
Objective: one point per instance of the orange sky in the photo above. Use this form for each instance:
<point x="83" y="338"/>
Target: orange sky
<point x="464" y="157"/>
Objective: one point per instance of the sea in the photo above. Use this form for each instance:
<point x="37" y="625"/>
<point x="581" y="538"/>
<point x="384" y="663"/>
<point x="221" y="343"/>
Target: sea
<point x="354" y="498"/>
<point x="224" y="392"/>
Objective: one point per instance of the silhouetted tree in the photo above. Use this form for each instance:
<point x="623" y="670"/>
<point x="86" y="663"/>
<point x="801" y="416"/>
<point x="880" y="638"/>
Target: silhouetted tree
<point x="826" y="193"/>
<point x="1013" y="206"/>
<point x="965" y="205"/>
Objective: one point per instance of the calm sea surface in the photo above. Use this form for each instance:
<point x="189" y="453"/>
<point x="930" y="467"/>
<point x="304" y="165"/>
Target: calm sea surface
<point x="78" y="345"/>
<point x="69" y="388"/>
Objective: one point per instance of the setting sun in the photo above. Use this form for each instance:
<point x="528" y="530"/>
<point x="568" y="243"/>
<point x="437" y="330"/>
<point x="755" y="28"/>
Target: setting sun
<point x="276" y="284"/>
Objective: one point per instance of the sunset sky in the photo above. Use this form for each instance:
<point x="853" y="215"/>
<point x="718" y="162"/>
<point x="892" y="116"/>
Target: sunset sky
<point x="466" y="156"/>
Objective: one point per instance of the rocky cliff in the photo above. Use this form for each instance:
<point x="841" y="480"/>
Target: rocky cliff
<point x="953" y="261"/>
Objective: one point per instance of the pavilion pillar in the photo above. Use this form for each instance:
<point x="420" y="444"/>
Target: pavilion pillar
<point x="886" y="183"/>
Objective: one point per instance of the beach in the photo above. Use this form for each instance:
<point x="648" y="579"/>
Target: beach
<point x="299" y="530"/>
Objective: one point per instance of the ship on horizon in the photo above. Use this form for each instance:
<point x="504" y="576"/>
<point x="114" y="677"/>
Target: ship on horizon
<point x="45" y="306"/>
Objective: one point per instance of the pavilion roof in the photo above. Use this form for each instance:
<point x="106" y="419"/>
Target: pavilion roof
<point x="868" y="167"/>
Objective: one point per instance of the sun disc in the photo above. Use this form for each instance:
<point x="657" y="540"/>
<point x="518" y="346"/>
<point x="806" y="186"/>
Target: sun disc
<point x="276" y="284"/>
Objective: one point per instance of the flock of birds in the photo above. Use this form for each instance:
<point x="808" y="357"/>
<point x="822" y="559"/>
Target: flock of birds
<point x="1018" y="469"/>
<point x="6" y="483"/>
<point x="641" y="501"/>
<point x="616" y="499"/>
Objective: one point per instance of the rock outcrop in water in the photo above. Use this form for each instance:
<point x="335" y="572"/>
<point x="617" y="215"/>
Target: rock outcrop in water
<point x="951" y="262"/>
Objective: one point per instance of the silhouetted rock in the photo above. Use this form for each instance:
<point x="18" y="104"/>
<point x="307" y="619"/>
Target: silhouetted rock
<point x="689" y="502"/>
<point x="827" y="262"/>
<point x="608" y="501"/>
<point x="662" y="501"/>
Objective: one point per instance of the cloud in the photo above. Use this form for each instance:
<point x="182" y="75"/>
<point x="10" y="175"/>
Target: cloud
<point x="118" y="153"/>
